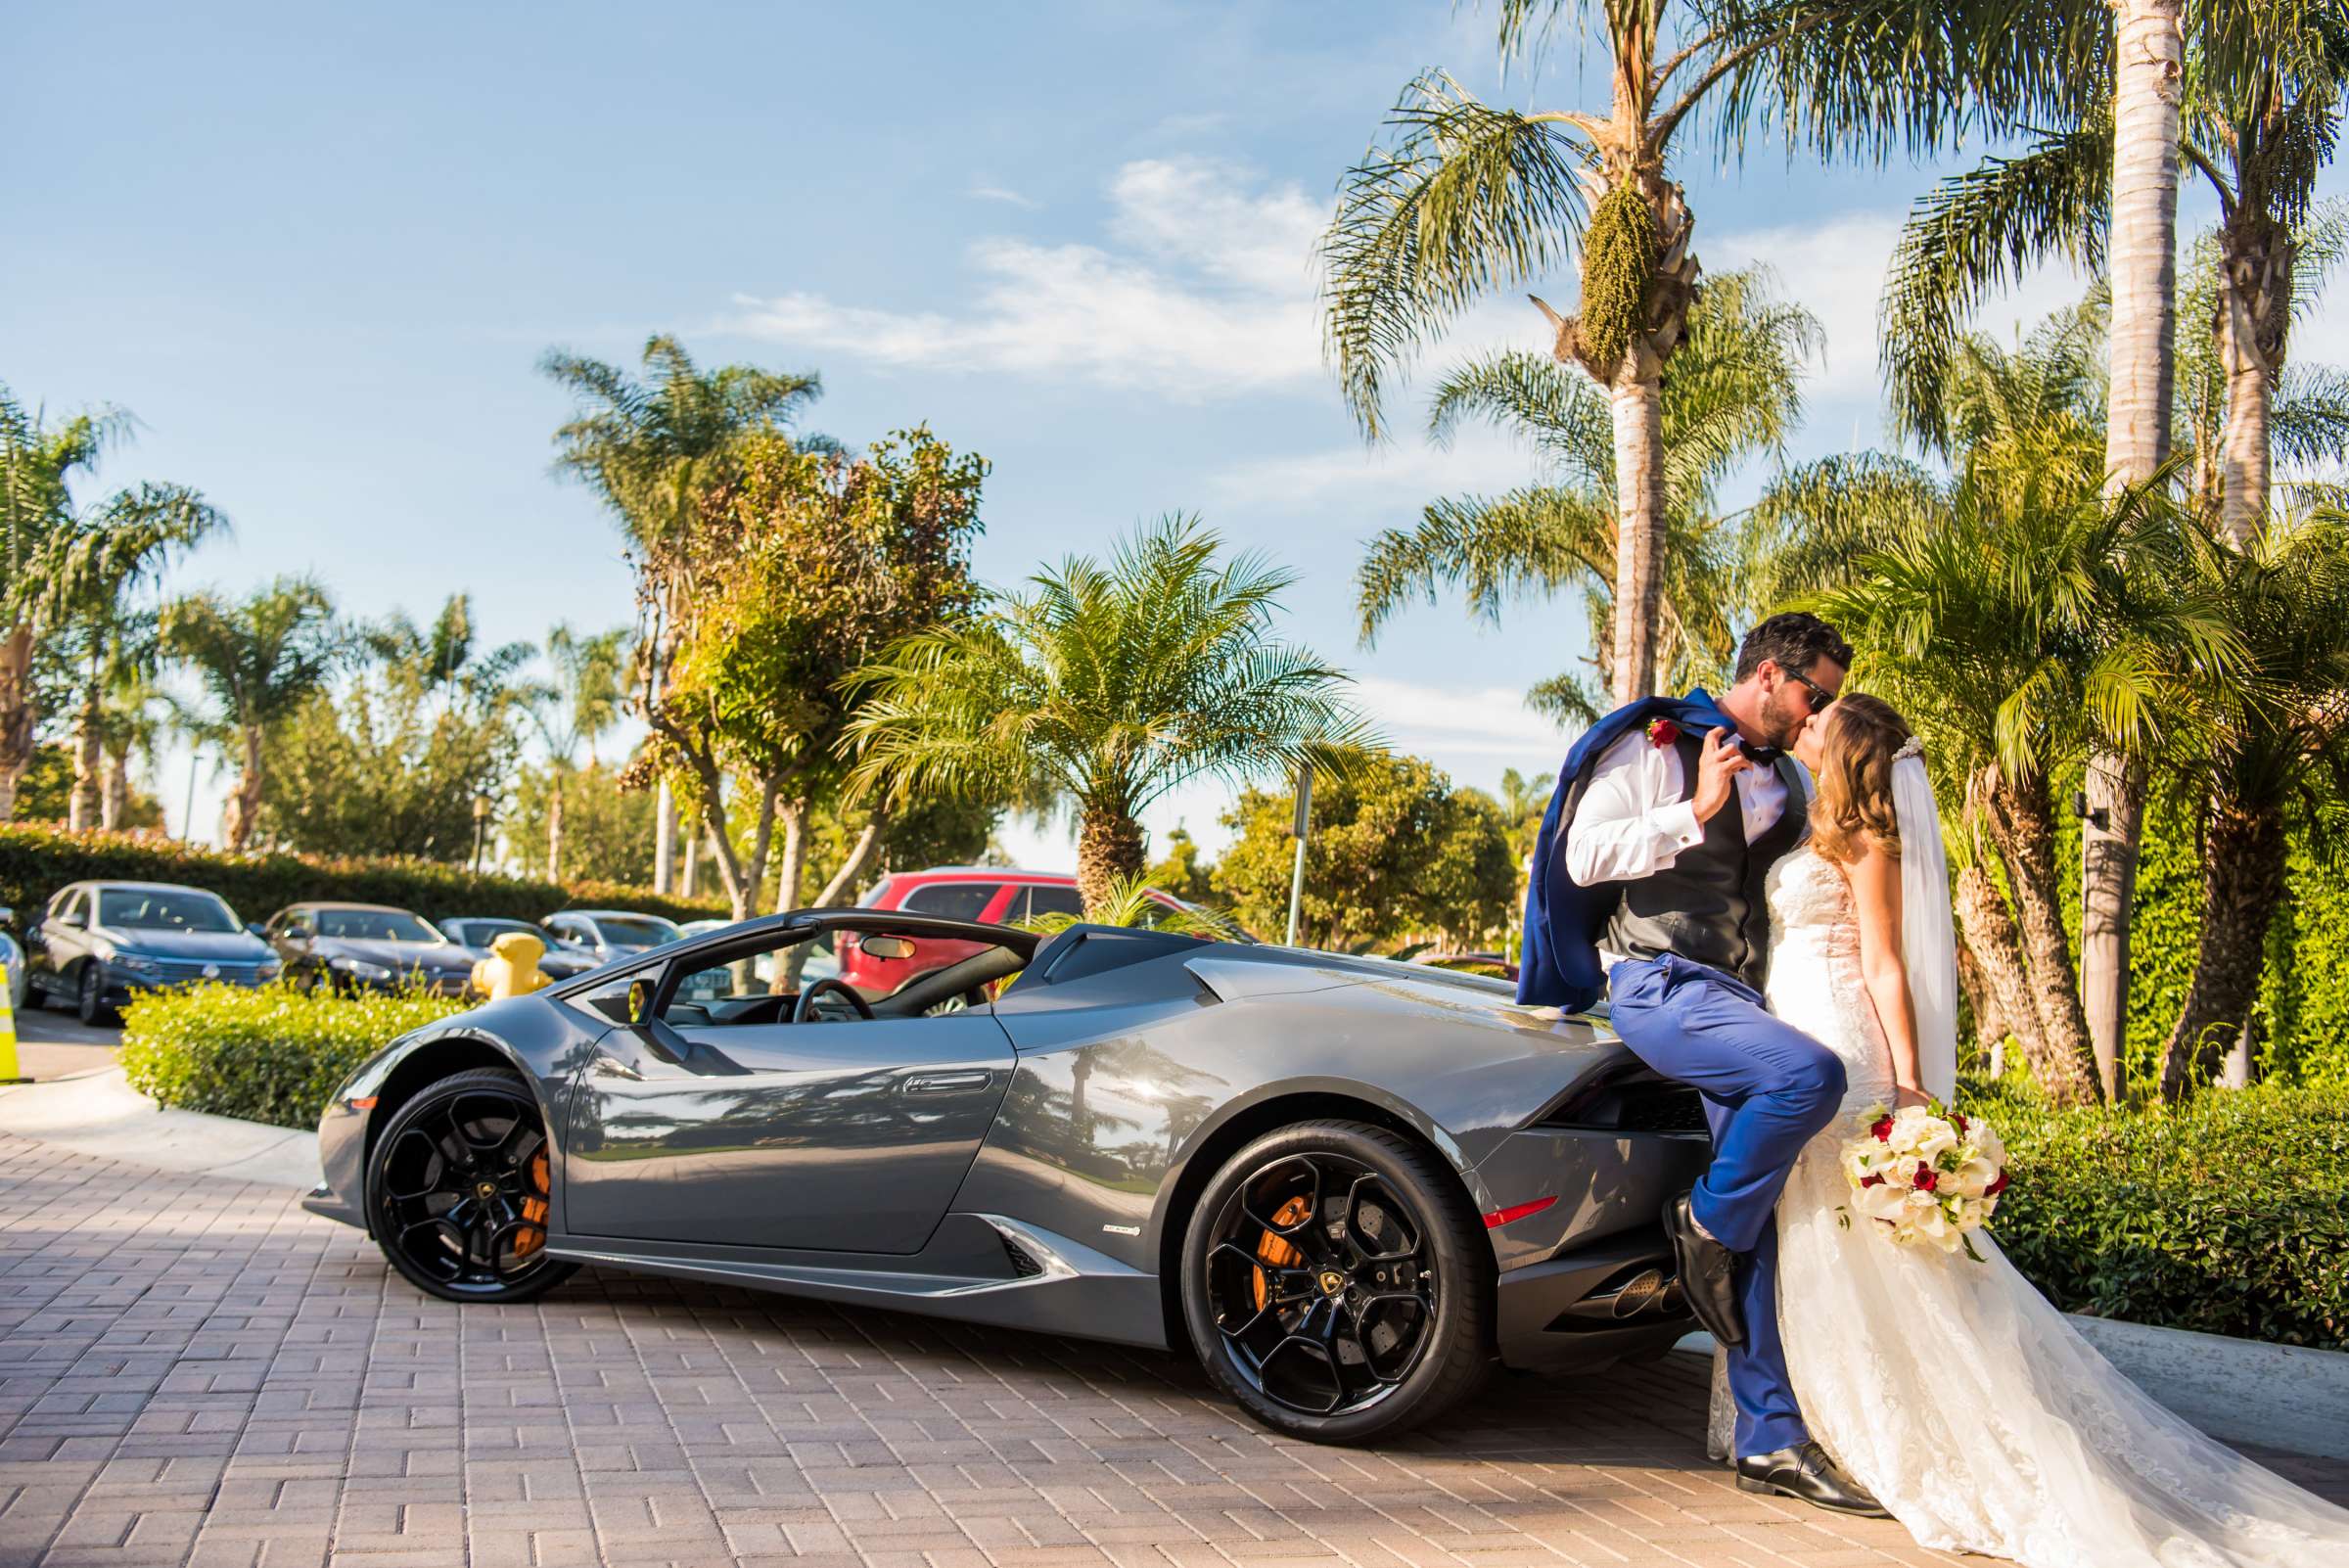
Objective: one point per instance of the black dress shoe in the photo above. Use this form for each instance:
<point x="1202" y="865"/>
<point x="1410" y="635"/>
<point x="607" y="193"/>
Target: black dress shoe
<point x="1708" y="1271"/>
<point x="1804" y="1472"/>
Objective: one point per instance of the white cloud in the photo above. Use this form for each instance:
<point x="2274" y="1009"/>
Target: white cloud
<point x="1408" y="473"/>
<point x="1204" y="289"/>
<point x="1002" y="193"/>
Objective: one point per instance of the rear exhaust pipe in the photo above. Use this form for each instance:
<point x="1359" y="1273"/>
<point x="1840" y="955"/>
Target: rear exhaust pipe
<point x="1648" y="1292"/>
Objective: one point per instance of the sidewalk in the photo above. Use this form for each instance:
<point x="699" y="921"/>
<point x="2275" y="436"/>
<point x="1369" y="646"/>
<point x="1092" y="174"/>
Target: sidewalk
<point x="98" y="1113"/>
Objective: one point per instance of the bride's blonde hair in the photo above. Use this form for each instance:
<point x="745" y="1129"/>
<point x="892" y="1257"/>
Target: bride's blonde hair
<point x="1863" y="739"/>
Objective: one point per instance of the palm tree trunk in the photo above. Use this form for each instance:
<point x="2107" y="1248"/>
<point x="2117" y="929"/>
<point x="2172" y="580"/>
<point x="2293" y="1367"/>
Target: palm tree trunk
<point x="1636" y="400"/>
<point x="1109" y="846"/>
<point x="113" y="799"/>
<point x="18" y="717"/>
<point x="554" y="825"/>
<point x="2242" y="884"/>
<point x="2142" y="263"/>
<point x="688" y="874"/>
<point x="89" y="759"/>
<point x="245" y="803"/>
<point x="1997" y="948"/>
<point x="2023" y="824"/>
<point x="2255" y="280"/>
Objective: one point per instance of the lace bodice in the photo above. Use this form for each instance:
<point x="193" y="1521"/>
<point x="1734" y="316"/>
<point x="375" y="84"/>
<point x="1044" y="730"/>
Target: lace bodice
<point x="1815" y="980"/>
<point x="1950" y="1388"/>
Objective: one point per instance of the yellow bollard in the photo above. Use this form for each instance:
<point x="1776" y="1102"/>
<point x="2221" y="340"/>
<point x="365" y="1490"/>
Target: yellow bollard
<point x="9" y="1073"/>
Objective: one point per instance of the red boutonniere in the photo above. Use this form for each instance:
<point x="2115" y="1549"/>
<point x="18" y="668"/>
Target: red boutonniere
<point x="1663" y="732"/>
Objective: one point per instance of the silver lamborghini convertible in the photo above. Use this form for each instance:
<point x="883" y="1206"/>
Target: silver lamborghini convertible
<point x="1351" y="1187"/>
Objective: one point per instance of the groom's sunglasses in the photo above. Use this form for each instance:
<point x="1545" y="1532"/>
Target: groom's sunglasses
<point x="1820" y="697"/>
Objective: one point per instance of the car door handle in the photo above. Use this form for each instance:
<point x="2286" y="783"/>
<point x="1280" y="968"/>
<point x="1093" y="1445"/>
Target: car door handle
<point x="947" y="1082"/>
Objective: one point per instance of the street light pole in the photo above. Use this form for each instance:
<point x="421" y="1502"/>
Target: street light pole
<point x="187" y="821"/>
<point x="481" y="821"/>
<point x="1304" y="821"/>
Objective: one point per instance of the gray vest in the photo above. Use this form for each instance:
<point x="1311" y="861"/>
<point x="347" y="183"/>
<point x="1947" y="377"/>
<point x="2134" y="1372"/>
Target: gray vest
<point x="1707" y="907"/>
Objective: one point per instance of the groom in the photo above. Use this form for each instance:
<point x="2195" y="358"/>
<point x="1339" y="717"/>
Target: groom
<point x="1648" y="882"/>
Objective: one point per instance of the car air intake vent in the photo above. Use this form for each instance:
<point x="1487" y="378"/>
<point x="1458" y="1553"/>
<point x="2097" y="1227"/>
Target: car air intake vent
<point x="1023" y="1262"/>
<point x="1630" y="1099"/>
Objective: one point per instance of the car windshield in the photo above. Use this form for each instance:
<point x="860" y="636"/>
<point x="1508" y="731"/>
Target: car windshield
<point x="635" y="931"/>
<point x="375" y="925"/>
<point x="481" y="932"/>
<point x="140" y="911"/>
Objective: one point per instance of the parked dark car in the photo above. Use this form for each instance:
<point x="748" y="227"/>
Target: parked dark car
<point x="477" y="932"/>
<point x="1350" y="1186"/>
<point x="602" y="935"/>
<point x="99" y="943"/>
<point x="367" y="946"/>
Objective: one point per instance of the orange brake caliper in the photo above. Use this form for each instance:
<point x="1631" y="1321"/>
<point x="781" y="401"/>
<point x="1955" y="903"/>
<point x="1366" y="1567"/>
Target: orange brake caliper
<point x="534" y="1211"/>
<point x="1276" y="1252"/>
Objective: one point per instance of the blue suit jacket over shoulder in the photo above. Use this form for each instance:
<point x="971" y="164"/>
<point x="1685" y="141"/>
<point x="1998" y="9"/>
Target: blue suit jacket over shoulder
<point x="1560" y="966"/>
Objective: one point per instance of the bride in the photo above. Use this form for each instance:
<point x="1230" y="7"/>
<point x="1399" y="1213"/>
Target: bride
<point x="1950" y="1388"/>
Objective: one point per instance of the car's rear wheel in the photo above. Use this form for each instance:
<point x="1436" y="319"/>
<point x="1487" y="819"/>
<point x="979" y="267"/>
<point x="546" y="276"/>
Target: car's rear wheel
<point x="458" y="1189"/>
<point x="1336" y="1283"/>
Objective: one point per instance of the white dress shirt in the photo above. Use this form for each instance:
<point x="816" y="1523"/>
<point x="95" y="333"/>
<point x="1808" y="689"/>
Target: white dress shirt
<point x="1634" y="819"/>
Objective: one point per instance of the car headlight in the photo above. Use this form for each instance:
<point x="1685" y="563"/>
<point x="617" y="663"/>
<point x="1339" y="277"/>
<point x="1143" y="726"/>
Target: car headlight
<point x="360" y="968"/>
<point x="132" y="963"/>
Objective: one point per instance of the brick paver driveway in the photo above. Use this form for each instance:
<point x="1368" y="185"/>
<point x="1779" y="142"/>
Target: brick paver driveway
<point x="194" y="1370"/>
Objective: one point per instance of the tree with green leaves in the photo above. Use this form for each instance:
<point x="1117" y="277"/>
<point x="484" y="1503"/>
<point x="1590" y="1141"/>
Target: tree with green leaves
<point x="2020" y="620"/>
<point x="655" y="448"/>
<point x="1395" y="852"/>
<point x="574" y="709"/>
<point x="2274" y="744"/>
<point x="2245" y="95"/>
<point x="68" y="570"/>
<point x="1735" y="395"/>
<point x="812" y="563"/>
<point x="257" y="660"/>
<point x="1180" y="870"/>
<point x="1465" y="199"/>
<point x="448" y="660"/>
<point x="1105" y="687"/>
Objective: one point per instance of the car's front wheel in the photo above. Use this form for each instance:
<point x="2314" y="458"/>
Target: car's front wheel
<point x="89" y="994"/>
<point x="458" y="1189"/>
<point x="1336" y="1283"/>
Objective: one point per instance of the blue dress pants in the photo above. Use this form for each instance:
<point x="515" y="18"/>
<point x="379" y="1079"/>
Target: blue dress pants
<point x="1769" y="1090"/>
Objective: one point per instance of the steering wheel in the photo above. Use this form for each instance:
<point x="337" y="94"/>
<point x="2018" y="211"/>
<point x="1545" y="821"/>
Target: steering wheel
<point x="803" y="1010"/>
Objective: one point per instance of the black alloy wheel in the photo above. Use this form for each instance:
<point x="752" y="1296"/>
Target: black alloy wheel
<point x="458" y="1189"/>
<point x="89" y="994"/>
<point x="1336" y="1283"/>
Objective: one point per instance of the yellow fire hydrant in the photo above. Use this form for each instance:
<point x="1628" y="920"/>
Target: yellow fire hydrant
<point x="512" y="967"/>
<point x="8" y="1072"/>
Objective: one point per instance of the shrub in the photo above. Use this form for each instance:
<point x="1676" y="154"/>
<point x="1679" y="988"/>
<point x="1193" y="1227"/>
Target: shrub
<point x="2229" y="1214"/>
<point x="273" y="1054"/>
<point x="35" y="861"/>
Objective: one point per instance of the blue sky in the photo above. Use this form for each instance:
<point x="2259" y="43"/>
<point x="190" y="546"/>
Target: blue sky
<point x="317" y="253"/>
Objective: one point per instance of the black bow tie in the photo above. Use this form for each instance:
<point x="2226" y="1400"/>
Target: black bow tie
<point x="1761" y="756"/>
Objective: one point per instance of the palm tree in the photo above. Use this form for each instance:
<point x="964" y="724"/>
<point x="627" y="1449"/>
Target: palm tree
<point x="257" y="660"/>
<point x="574" y="710"/>
<point x="1735" y="393"/>
<point x="88" y="567"/>
<point x="1468" y="199"/>
<point x="2280" y="730"/>
<point x="2021" y="620"/>
<point x="68" y="567"/>
<point x="2245" y="95"/>
<point x="654" y="448"/>
<point x="1105" y="688"/>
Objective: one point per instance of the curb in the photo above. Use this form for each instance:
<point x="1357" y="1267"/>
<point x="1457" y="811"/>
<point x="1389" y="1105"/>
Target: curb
<point x="2284" y="1397"/>
<point x="99" y="1113"/>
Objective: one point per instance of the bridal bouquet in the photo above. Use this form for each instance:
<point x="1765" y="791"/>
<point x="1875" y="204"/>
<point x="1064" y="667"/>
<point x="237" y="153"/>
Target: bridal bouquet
<point x="1926" y="1174"/>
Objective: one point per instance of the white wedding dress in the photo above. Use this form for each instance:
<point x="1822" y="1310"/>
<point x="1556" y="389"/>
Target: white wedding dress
<point x="1951" y="1388"/>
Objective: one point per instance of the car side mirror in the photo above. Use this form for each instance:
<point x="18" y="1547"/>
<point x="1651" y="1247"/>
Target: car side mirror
<point x="257" y="929"/>
<point x="881" y="945"/>
<point x="8" y="916"/>
<point x="298" y="932"/>
<point x="75" y="919"/>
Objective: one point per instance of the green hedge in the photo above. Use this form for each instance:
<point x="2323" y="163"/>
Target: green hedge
<point x="272" y="1055"/>
<point x="35" y="861"/>
<point x="2229" y="1214"/>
